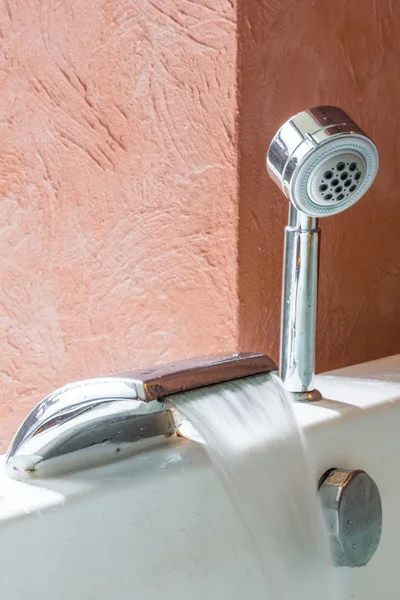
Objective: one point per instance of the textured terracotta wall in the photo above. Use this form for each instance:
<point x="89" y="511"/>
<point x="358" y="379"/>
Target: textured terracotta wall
<point x="293" y="55"/>
<point x="118" y="203"/>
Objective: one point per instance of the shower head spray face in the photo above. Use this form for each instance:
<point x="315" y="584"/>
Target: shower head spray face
<point x="322" y="161"/>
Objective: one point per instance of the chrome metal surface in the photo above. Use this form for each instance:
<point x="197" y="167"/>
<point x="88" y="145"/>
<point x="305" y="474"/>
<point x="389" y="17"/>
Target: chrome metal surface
<point x="311" y="140"/>
<point x="324" y="163"/>
<point x="308" y="396"/>
<point x="164" y="380"/>
<point x="113" y="411"/>
<point x="353" y="513"/>
<point x="299" y="303"/>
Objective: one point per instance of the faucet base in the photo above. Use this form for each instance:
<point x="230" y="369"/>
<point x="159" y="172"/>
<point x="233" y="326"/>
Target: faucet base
<point x="309" y="396"/>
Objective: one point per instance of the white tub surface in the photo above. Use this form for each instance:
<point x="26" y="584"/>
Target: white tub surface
<point x="159" y="524"/>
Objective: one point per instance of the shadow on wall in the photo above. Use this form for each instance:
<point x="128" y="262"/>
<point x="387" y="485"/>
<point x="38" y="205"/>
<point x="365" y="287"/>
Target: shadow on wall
<point x="292" y="56"/>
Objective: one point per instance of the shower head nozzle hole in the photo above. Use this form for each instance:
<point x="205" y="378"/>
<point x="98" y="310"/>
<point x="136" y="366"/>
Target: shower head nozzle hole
<point x="323" y="187"/>
<point x="328" y="175"/>
<point x="340" y="166"/>
<point x="340" y="197"/>
<point x="334" y="182"/>
<point x="338" y="189"/>
<point x="353" y="187"/>
<point x="357" y="176"/>
<point x="328" y="197"/>
<point x="344" y="176"/>
<point x="347" y="183"/>
<point x="353" y="166"/>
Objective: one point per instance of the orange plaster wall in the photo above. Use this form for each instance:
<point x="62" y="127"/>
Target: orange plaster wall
<point x="118" y="199"/>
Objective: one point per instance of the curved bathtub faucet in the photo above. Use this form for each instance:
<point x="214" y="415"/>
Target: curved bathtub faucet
<point x="113" y="411"/>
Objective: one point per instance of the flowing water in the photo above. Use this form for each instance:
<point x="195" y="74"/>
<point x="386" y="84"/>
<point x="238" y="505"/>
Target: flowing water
<point x="253" y="439"/>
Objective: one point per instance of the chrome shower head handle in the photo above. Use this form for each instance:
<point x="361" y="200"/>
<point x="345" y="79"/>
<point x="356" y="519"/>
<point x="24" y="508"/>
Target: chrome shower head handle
<point x="324" y="163"/>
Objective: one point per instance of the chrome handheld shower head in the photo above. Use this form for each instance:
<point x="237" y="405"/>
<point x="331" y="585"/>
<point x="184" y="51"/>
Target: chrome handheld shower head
<point x="322" y="161"/>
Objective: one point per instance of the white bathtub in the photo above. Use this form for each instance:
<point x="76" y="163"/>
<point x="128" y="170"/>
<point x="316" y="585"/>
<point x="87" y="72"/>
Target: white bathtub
<point x="160" y="524"/>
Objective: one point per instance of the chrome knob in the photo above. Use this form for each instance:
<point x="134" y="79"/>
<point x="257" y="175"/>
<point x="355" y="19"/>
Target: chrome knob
<point x="353" y="513"/>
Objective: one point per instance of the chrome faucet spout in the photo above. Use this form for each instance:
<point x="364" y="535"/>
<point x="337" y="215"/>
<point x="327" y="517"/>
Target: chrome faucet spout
<point x="112" y="412"/>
